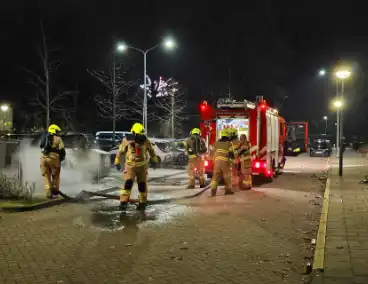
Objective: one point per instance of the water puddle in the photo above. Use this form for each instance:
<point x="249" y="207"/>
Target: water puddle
<point x="109" y="218"/>
<point x="106" y="216"/>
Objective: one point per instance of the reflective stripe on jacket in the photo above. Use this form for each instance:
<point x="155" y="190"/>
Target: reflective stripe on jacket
<point x="221" y="150"/>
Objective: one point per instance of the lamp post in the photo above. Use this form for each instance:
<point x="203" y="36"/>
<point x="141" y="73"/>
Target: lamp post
<point x="326" y="118"/>
<point x="168" y="44"/>
<point x="338" y="105"/>
<point x="4" y="108"/>
<point x="341" y="75"/>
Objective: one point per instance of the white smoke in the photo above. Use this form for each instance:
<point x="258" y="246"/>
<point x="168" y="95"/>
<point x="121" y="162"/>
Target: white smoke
<point x="79" y="171"/>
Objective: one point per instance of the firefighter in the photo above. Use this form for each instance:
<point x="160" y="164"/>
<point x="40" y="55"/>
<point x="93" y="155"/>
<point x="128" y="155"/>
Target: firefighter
<point x="53" y="153"/>
<point x="136" y="165"/>
<point x="195" y="147"/>
<point x="245" y="179"/>
<point x="222" y="154"/>
<point x="234" y="169"/>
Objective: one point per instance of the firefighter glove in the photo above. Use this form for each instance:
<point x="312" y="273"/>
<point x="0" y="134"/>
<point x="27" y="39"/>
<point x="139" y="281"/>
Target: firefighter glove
<point x="231" y="155"/>
<point x="154" y="160"/>
<point x="118" y="167"/>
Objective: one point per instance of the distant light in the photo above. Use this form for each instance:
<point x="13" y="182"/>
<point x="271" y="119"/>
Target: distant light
<point x="322" y="72"/>
<point x="325" y="117"/>
<point x="4" y="107"/>
<point x="121" y="47"/>
<point x="343" y="74"/>
<point x="169" y="43"/>
<point x="338" y="104"/>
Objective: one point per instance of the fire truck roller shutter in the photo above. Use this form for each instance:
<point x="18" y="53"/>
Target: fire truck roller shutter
<point x="272" y="140"/>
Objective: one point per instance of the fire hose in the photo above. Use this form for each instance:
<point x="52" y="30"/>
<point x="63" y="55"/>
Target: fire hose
<point x="104" y="194"/>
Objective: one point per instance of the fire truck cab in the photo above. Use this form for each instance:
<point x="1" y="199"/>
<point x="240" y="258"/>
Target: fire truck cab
<point x="264" y="127"/>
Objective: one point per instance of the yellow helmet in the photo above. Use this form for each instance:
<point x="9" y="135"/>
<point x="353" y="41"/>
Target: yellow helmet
<point x="137" y="129"/>
<point x="233" y="132"/>
<point x="225" y="133"/>
<point x="195" y="131"/>
<point x="53" y="129"/>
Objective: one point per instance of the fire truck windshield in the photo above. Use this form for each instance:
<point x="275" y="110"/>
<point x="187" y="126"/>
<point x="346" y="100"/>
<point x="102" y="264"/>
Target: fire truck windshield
<point x="240" y="124"/>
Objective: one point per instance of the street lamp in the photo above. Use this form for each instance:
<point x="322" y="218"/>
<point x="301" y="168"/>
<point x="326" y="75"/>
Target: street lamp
<point x="4" y="108"/>
<point x="343" y="74"/>
<point x="121" y="47"/>
<point x="326" y="118"/>
<point x="322" y="72"/>
<point x="338" y="104"/>
<point x="168" y="44"/>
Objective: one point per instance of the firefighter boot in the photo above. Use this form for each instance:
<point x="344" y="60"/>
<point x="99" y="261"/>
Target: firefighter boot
<point x="201" y="182"/>
<point x="213" y="192"/>
<point x="123" y="206"/>
<point x="142" y="206"/>
<point x="229" y="191"/>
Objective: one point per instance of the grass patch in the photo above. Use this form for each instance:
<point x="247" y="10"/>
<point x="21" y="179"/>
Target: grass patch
<point x="11" y="189"/>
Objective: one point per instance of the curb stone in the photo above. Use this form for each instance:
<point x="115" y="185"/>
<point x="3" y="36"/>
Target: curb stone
<point x="317" y="274"/>
<point x="45" y="204"/>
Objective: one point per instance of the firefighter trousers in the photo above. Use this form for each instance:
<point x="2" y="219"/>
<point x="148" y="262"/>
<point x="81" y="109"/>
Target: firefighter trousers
<point x="234" y="173"/>
<point x="245" y="180"/>
<point x="221" y="170"/>
<point x="129" y="175"/>
<point x="195" y="163"/>
<point x="50" y="170"/>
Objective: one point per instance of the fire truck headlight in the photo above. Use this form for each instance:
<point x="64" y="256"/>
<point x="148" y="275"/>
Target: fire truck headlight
<point x="206" y="163"/>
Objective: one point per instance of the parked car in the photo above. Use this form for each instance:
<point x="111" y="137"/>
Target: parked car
<point x="320" y="147"/>
<point x="105" y="141"/>
<point x="177" y="150"/>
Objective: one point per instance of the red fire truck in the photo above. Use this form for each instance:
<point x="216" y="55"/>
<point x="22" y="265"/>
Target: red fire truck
<point x="264" y="127"/>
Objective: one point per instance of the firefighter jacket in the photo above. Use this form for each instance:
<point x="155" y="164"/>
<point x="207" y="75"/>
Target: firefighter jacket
<point x="52" y="144"/>
<point x="223" y="150"/>
<point x="195" y="146"/>
<point x="244" y="151"/>
<point x="236" y="146"/>
<point x="135" y="153"/>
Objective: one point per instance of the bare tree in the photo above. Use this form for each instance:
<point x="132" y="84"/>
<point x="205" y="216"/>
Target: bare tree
<point x="172" y="102"/>
<point x="48" y="96"/>
<point x="135" y="104"/>
<point x="113" y="105"/>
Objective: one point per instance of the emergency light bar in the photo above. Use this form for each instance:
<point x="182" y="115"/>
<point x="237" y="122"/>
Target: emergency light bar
<point x="272" y="111"/>
<point x="227" y="103"/>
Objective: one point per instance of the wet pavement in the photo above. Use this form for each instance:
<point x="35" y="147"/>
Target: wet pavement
<point x="258" y="236"/>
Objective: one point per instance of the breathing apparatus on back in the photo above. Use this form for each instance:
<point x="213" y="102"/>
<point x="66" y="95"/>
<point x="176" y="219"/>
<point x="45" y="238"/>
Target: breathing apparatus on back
<point x="196" y="145"/>
<point x="47" y="138"/>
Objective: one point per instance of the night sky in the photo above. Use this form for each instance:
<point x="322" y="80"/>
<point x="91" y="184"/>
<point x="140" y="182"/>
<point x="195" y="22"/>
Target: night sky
<point x="271" y="48"/>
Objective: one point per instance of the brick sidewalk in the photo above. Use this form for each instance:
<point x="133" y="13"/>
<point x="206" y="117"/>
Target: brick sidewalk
<point x="346" y="247"/>
<point x="260" y="236"/>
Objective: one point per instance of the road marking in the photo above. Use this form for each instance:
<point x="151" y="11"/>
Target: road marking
<point x="319" y="254"/>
